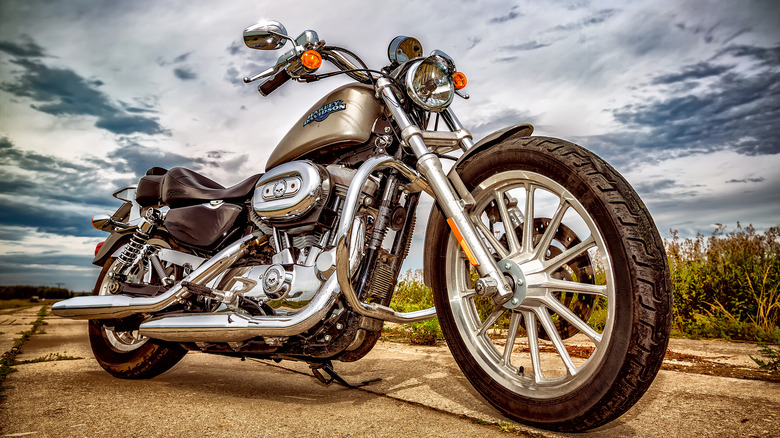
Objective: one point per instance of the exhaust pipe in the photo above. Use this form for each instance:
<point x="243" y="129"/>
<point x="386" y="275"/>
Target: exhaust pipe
<point x="119" y="306"/>
<point x="342" y="241"/>
<point x="233" y="327"/>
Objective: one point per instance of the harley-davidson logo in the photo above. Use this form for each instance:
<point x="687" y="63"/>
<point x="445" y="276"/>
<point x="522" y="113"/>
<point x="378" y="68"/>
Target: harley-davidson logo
<point x="322" y="113"/>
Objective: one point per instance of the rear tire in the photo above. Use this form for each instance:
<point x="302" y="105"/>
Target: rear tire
<point x="616" y="265"/>
<point x="126" y="354"/>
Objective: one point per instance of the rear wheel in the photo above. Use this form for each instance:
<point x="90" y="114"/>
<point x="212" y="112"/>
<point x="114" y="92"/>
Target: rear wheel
<point x="590" y="333"/>
<point x="123" y="352"/>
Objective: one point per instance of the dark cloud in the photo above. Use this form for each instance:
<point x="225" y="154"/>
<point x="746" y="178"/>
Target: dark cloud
<point x="769" y="56"/>
<point x="655" y="186"/>
<point x="135" y="158"/>
<point x="184" y="73"/>
<point x="26" y="160"/>
<point x="77" y="273"/>
<point x="746" y="180"/>
<point x="59" y="196"/>
<point x="697" y="71"/>
<point x="754" y="200"/>
<point x="597" y="18"/>
<point x="733" y="111"/>
<point x="235" y="47"/>
<point x="44" y="218"/>
<point x="53" y="260"/>
<point x="23" y="49"/>
<point x="181" y="58"/>
<point x="162" y="62"/>
<point x="63" y="92"/>
<point x="508" y="17"/>
<point x="530" y="45"/>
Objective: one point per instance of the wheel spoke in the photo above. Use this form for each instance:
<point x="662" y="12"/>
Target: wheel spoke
<point x="490" y="320"/>
<point x="500" y="250"/>
<point x="528" y="226"/>
<point x="468" y="293"/>
<point x="552" y="333"/>
<point x="553" y="285"/>
<point x="514" y="325"/>
<point x="552" y="228"/>
<point x="570" y="254"/>
<point x="506" y="218"/>
<point x="567" y="314"/>
<point x="533" y="344"/>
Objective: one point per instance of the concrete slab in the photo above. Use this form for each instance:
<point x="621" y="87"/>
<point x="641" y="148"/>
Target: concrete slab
<point x="422" y="393"/>
<point x="13" y="322"/>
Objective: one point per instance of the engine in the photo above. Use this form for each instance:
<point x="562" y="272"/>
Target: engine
<point x="297" y="204"/>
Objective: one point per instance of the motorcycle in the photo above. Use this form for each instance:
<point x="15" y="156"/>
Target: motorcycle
<point x="534" y="245"/>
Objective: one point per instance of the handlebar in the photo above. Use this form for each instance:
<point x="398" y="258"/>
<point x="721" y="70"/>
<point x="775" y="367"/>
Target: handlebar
<point x="275" y="82"/>
<point x="287" y="68"/>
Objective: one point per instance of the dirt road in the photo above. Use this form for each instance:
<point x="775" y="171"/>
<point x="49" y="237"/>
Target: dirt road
<point x="422" y="393"/>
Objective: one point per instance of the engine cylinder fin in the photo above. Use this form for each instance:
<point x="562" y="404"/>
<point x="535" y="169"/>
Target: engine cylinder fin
<point x="382" y="277"/>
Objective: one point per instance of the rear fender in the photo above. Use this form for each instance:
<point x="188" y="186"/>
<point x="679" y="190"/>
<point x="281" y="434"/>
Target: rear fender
<point x="115" y="241"/>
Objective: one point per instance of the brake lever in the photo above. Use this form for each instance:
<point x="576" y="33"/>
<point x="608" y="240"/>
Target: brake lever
<point x="270" y="72"/>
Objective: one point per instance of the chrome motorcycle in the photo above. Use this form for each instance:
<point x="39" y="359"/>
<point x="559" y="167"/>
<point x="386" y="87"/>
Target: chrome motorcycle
<point x="548" y="275"/>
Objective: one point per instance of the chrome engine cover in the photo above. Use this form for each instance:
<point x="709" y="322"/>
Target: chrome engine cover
<point x="291" y="191"/>
<point x="285" y="287"/>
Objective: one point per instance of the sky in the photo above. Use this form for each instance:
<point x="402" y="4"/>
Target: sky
<point x="682" y="97"/>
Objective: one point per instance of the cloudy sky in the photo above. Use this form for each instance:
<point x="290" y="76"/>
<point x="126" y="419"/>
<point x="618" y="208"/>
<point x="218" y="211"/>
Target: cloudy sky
<point x="683" y="97"/>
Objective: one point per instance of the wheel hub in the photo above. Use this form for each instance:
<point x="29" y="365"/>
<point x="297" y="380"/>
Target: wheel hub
<point x="510" y="269"/>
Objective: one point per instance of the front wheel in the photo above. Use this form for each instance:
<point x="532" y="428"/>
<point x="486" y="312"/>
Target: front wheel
<point x="589" y="266"/>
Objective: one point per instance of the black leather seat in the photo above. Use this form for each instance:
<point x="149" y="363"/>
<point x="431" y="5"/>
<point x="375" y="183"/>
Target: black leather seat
<point x="182" y="186"/>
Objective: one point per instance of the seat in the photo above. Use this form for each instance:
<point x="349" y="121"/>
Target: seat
<point x="182" y="186"/>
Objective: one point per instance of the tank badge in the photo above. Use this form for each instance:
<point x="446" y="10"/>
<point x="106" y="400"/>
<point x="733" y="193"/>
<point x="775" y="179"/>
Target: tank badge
<point x="323" y="112"/>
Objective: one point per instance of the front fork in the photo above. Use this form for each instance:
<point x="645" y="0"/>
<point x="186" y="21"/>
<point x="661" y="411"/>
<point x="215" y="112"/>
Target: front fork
<point x="493" y="282"/>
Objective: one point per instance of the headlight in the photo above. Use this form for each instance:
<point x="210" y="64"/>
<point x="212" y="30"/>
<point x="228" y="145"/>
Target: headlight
<point x="429" y="82"/>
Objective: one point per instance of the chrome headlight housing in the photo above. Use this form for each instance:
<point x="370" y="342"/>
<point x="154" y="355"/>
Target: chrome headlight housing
<point x="429" y="82"/>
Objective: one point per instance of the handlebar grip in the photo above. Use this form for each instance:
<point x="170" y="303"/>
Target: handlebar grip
<point x="275" y="82"/>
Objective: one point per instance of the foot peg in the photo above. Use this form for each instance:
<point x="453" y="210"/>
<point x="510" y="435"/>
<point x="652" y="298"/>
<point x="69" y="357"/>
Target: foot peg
<point x="327" y="367"/>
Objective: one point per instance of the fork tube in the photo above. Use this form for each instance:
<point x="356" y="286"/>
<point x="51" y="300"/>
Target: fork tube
<point x="454" y="124"/>
<point x="429" y="165"/>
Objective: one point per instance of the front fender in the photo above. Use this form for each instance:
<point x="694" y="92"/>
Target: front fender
<point x="435" y="221"/>
<point x="490" y="140"/>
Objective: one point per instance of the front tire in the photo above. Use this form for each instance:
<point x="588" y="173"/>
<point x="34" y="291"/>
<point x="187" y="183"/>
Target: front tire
<point x="597" y="294"/>
<point x="125" y="353"/>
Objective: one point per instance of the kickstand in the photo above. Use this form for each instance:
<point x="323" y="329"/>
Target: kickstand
<point x="327" y="367"/>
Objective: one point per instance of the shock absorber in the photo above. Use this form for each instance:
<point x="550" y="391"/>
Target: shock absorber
<point x="125" y="261"/>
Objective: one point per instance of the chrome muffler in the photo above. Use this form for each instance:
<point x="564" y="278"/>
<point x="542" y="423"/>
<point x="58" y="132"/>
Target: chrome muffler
<point x="119" y="306"/>
<point x="236" y="327"/>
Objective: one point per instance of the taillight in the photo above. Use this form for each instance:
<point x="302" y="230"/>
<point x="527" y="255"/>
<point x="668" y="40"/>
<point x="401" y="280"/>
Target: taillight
<point x="97" y="248"/>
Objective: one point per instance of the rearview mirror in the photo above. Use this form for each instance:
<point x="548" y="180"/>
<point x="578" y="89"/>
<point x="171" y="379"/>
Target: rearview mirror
<point x="267" y="35"/>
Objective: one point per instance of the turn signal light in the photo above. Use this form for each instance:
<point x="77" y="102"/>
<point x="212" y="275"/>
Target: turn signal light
<point x="459" y="79"/>
<point x="311" y="59"/>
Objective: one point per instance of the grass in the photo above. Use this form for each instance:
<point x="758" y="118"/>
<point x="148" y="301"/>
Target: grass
<point x="410" y="295"/>
<point x="772" y="364"/>
<point x="51" y="357"/>
<point x="726" y="286"/>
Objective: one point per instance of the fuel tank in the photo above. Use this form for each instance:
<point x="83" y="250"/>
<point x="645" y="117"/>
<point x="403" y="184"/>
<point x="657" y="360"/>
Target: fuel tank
<point x="343" y="118"/>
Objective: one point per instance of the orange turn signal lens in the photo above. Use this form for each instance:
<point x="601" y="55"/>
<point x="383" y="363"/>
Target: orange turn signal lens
<point x="459" y="79"/>
<point x="311" y="59"/>
<point x="463" y="245"/>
